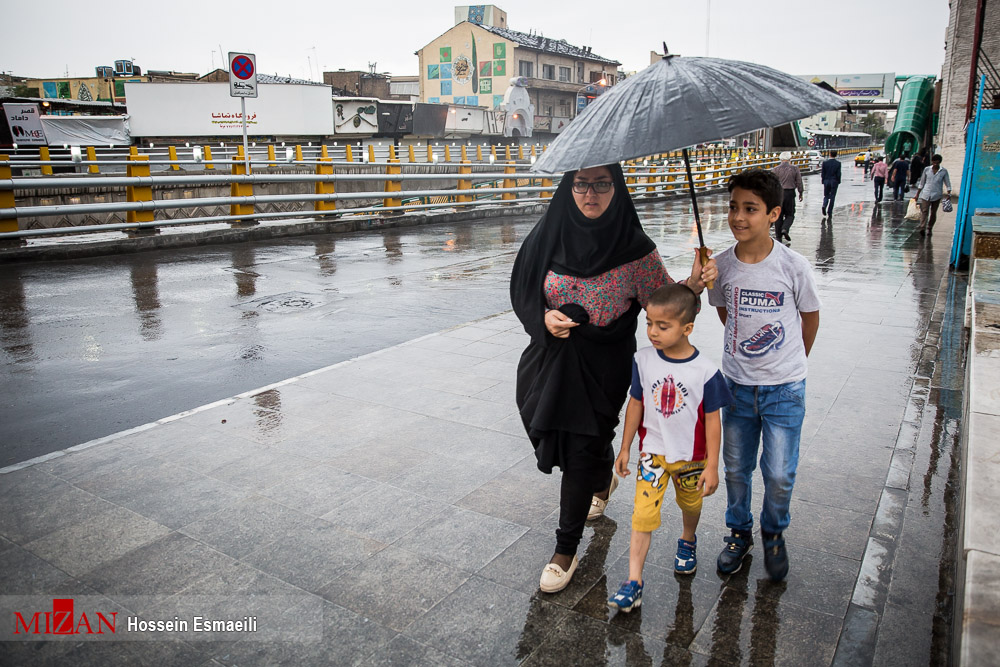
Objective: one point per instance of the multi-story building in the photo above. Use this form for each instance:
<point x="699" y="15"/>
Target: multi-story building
<point x="359" y="84"/>
<point x="972" y="49"/>
<point x="472" y="64"/>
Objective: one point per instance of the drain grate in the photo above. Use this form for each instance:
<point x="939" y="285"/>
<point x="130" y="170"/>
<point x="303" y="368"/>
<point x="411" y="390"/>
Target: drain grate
<point x="289" y="302"/>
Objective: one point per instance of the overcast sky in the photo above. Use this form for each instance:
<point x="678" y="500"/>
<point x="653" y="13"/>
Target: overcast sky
<point x="301" y="38"/>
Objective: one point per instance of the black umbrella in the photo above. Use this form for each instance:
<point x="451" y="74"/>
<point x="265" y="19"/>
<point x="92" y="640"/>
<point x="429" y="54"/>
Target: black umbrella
<point x="679" y="102"/>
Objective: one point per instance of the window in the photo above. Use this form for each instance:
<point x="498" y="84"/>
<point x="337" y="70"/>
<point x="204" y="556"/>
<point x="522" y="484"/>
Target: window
<point x="564" y="73"/>
<point x="548" y="111"/>
<point x="524" y="68"/>
<point x="595" y="77"/>
<point x="549" y="72"/>
<point x="579" y="72"/>
<point x="563" y="111"/>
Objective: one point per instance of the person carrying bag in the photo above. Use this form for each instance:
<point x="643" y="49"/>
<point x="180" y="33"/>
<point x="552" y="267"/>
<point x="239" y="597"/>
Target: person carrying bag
<point x="930" y="192"/>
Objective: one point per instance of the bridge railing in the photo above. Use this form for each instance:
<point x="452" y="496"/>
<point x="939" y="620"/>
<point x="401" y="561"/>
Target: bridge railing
<point x="195" y="156"/>
<point x="70" y="203"/>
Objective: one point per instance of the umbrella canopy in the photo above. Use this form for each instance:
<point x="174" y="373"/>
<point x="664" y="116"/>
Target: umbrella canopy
<point x="678" y="102"/>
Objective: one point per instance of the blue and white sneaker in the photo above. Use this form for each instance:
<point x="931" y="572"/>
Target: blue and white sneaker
<point x="686" y="560"/>
<point x="628" y="597"/>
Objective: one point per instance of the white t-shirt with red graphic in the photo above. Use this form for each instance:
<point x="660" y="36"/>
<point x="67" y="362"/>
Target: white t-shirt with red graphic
<point x="676" y="394"/>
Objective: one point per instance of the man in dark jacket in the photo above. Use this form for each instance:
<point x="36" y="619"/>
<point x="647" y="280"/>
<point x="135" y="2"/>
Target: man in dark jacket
<point x="830" y="175"/>
<point x="917" y="165"/>
<point x="897" y="177"/>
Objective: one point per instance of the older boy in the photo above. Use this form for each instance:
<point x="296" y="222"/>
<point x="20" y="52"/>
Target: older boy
<point x="766" y="296"/>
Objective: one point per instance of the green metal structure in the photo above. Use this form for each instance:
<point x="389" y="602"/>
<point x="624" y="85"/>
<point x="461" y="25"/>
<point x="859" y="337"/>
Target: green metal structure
<point x="912" y="117"/>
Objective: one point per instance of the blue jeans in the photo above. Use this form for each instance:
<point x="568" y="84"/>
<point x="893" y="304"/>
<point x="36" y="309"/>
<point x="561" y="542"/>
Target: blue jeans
<point x="776" y="412"/>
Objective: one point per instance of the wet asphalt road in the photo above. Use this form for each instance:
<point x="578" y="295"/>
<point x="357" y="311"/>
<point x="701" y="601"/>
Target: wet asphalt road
<point x="92" y="347"/>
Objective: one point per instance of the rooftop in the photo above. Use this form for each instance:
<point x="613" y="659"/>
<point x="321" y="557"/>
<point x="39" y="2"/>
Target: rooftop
<point x="548" y="45"/>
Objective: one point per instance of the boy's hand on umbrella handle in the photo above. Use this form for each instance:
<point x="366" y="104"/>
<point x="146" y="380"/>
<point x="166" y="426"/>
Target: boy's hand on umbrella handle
<point x="704" y="270"/>
<point x="558" y="323"/>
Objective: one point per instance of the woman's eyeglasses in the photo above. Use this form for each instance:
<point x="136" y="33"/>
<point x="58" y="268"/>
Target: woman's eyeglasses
<point x="600" y="187"/>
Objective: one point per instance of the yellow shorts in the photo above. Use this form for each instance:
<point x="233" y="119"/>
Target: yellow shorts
<point x="651" y="485"/>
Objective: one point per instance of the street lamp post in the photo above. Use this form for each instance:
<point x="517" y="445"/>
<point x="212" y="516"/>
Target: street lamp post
<point x="596" y="88"/>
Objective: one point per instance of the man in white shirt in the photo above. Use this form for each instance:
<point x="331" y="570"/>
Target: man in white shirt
<point x="930" y="191"/>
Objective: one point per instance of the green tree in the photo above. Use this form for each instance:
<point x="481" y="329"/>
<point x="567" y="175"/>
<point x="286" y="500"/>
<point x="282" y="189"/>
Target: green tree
<point x="872" y="126"/>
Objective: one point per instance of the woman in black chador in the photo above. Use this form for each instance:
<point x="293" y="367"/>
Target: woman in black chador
<point x="579" y="281"/>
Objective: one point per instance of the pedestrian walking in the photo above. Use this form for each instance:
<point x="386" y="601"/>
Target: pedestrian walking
<point x="897" y="177"/>
<point x="879" y="172"/>
<point x="869" y="160"/>
<point x="917" y="164"/>
<point x="766" y="298"/>
<point x="791" y="180"/>
<point x="930" y="192"/>
<point x="578" y="283"/>
<point x="830" y="176"/>
<point x="673" y="405"/>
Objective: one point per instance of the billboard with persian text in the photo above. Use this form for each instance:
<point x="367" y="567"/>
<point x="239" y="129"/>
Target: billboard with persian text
<point x="206" y="109"/>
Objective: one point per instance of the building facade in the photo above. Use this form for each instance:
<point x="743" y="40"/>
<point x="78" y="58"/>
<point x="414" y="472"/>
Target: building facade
<point x="107" y="86"/>
<point x="359" y="84"/>
<point x="958" y="84"/>
<point x="473" y="62"/>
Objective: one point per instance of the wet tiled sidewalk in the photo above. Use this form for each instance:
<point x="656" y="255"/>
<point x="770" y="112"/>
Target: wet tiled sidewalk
<point x="392" y="505"/>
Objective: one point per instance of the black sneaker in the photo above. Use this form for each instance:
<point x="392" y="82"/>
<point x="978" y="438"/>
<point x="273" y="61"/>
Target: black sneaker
<point x="738" y="545"/>
<point x="775" y="555"/>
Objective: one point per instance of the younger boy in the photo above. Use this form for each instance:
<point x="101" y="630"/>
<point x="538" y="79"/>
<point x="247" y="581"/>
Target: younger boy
<point x="766" y="296"/>
<point x="674" y="405"/>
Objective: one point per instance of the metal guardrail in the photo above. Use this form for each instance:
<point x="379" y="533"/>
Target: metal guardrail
<point x="511" y="186"/>
<point x="179" y="157"/>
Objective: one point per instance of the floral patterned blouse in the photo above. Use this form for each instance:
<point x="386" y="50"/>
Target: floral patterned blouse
<point x="606" y="296"/>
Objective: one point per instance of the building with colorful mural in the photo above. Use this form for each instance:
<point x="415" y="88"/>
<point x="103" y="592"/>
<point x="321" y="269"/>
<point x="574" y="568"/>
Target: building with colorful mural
<point x="107" y="86"/>
<point x="473" y="63"/>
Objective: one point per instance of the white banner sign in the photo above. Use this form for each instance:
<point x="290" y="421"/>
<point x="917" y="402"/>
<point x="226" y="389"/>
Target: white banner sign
<point x="355" y="116"/>
<point x="859" y="86"/>
<point x="25" y="123"/>
<point x="205" y="109"/>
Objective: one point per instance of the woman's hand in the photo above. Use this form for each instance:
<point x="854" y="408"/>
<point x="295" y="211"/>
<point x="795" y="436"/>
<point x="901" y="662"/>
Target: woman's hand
<point x="702" y="274"/>
<point x="558" y="324"/>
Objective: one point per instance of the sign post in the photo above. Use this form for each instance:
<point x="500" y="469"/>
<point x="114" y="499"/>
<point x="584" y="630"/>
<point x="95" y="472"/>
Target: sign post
<point x="243" y="84"/>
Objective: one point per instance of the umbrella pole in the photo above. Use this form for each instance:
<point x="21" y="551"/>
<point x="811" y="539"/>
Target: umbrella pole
<point x="702" y="250"/>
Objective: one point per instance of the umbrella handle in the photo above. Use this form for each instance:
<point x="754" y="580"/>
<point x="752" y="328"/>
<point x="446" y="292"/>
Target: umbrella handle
<point x="703" y="254"/>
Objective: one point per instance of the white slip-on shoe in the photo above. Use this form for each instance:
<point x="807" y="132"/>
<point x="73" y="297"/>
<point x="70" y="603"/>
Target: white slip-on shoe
<point x="597" y="506"/>
<point x="554" y="578"/>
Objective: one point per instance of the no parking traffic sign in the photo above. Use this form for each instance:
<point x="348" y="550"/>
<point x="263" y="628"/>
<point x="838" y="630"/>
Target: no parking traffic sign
<point x="242" y="75"/>
<point x="811" y="142"/>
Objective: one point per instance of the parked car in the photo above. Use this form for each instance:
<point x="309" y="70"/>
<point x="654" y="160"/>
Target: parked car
<point x="815" y="159"/>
